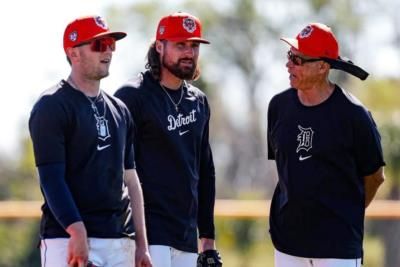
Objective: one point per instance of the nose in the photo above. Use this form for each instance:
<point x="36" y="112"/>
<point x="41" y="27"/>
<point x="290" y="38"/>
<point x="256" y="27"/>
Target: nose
<point x="289" y="63"/>
<point x="190" y="51"/>
<point x="108" y="51"/>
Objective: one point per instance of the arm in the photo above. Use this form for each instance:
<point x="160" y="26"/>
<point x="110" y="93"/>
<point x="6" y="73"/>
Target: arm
<point x="61" y="203"/>
<point x="78" y="248"/>
<point x="206" y="195"/>
<point x="372" y="183"/>
<point x="142" y="257"/>
<point x="47" y="126"/>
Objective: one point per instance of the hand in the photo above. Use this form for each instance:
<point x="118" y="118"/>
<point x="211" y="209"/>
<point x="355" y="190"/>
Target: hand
<point x="142" y="258"/>
<point x="209" y="258"/>
<point x="78" y="249"/>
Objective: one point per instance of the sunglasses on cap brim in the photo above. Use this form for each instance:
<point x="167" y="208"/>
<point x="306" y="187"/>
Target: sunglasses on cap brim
<point x="100" y="45"/>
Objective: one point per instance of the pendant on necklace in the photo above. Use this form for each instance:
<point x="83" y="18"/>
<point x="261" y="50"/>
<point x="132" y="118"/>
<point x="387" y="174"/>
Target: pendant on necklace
<point x="176" y="108"/>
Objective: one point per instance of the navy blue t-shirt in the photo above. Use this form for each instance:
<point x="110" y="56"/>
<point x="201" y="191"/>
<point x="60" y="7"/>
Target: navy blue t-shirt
<point x="174" y="161"/>
<point x="322" y="153"/>
<point x="95" y="148"/>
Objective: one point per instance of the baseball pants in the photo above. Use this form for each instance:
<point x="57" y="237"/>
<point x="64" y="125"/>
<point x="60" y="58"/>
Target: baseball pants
<point x="285" y="260"/>
<point x="164" y="256"/>
<point x="119" y="252"/>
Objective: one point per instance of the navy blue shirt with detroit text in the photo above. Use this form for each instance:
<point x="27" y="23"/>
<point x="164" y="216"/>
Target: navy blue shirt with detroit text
<point x="322" y="153"/>
<point x="95" y="146"/>
<point x="173" y="160"/>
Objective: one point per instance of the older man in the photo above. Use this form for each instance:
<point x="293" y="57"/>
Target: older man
<point x="328" y="155"/>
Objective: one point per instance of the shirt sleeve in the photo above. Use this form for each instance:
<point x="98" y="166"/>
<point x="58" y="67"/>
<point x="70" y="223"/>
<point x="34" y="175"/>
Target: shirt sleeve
<point x="368" y="149"/>
<point x="129" y="151"/>
<point x="47" y="126"/>
<point x="270" y="120"/>
<point x="127" y="95"/>
<point x="58" y="196"/>
<point x="206" y="188"/>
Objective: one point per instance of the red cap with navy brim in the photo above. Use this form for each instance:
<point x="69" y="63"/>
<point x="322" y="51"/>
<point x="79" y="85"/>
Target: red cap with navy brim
<point x="318" y="41"/>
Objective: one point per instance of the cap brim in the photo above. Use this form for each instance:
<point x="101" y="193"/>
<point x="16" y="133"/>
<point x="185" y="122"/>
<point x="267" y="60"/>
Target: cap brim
<point x="290" y="41"/>
<point x="348" y="66"/>
<point x="116" y="35"/>
<point x="194" y="39"/>
<point x="343" y="64"/>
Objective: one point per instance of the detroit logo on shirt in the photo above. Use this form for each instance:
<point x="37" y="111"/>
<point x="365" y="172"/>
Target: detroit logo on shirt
<point x="102" y="128"/>
<point x="305" y="138"/>
<point x="181" y="120"/>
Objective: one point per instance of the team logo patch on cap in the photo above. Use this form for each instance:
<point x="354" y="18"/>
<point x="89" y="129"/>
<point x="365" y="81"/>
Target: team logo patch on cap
<point x="189" y="24"/>
<point x="161" y="30"/>
<point x="306" y="32"/>
<point x="100" y="22"/>
<point x="73" y="36"/>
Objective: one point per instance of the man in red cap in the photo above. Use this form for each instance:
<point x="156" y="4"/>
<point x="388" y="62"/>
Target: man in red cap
<point x="173" y="154"/>
<point x="328" y="155"/>
<point x="82" y="139"/>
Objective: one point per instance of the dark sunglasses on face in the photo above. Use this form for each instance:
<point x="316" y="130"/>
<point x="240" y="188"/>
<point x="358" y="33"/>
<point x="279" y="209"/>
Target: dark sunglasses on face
<point x="100" y="45"/>
<point x="298" y="60"/>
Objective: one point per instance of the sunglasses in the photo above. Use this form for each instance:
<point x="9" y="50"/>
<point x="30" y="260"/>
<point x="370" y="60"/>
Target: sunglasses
<point x="100" y="45"/>
<point x="298" y="60"/>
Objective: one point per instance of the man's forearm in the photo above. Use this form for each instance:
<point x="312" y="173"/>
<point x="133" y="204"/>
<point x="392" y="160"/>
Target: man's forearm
<point x="372" y="183"/>
<point x="137" y="204"/>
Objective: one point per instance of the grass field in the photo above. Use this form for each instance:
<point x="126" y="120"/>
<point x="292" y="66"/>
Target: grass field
<point x="242" y="243"/>
<point x="259" y="250"/>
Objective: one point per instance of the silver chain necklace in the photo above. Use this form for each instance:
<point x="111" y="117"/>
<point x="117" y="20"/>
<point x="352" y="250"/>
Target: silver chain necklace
<point x="92" y="102"/>
<point x="170" y="98"/>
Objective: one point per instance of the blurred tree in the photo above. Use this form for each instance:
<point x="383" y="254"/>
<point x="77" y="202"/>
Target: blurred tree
<point x="238" y="68"/>
<point x="242" y="31"/>
<point x="383" y="99"/>
<point x="389" y="230"/>
<point x="18" y="238"/>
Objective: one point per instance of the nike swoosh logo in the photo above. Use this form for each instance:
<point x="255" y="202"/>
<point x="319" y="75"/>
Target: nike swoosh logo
<point x="301" y="158"/>
<point x="100" y="148"/>
<point x="182" y="133"/>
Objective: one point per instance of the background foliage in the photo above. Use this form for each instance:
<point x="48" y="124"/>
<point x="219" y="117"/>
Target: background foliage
<point x="242" y="69"/>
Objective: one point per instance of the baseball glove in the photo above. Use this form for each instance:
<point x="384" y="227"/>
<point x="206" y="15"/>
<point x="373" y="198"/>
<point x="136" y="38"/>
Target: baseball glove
<point x="209" y="258"/>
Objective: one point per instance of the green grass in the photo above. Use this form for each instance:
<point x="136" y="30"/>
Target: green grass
<point x="258" y="251"/>
<point x="242" y="243"/>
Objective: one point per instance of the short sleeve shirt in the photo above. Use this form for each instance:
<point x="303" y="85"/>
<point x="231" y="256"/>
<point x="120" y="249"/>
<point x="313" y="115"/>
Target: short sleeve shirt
<point x="94" y="143"/>
<point x="322" y="153"/>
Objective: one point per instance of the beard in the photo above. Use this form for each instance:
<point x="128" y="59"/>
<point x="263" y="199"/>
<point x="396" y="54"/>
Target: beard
<point x="183" y="73"/>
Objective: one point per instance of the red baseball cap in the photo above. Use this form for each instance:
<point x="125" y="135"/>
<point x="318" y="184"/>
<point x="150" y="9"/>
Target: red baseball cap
<point x="315" y="40"/>
<point x="87" y="28"/>
<point x="179" y="27"/>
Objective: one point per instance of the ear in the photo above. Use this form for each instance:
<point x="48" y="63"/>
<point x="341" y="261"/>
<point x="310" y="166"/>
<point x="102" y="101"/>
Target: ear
<point x="72" y="53"/>
<point x="159" y="46"/>
<point x="324" y="67"/>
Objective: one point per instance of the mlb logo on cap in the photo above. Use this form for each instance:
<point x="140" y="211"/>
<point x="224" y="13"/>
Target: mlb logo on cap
<point x="87" y="28"/>
<point x="179" y="27"/>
